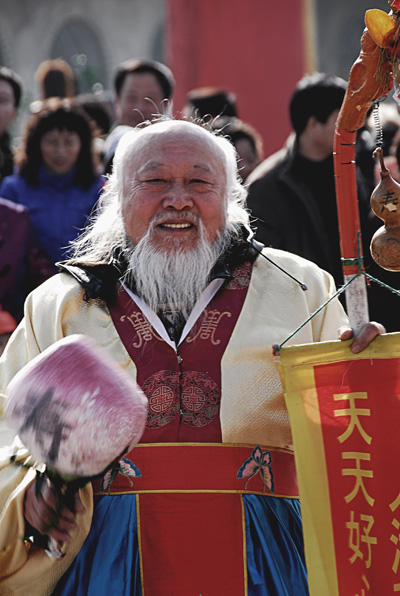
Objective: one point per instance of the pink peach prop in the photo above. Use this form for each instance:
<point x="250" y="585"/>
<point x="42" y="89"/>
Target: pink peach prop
<point x="76" y="409"/>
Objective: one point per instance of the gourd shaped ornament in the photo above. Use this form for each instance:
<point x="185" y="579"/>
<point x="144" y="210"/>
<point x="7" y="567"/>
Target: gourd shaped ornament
<point x="385" y="203"/>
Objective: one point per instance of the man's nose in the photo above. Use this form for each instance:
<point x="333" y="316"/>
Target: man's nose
<point x="177" y="197"/>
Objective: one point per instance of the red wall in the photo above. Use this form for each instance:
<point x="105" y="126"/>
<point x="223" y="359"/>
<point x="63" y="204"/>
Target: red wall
<point x="254" y="48"/>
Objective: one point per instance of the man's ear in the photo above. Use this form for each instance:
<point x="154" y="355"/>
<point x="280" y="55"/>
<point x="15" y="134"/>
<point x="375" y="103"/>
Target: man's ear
<point x="312" y="123"/>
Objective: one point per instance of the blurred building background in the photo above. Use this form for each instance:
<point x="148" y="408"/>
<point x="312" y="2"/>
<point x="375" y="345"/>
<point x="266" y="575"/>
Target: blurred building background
<point x="257" y="49"/>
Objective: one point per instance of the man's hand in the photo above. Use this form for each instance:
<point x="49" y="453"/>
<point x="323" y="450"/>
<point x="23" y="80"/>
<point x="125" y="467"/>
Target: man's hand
<point x="366" y="335"/>
<point x="40" y="512"/>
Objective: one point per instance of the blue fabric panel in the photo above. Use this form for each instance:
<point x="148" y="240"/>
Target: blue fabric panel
<point x="108" y="563"/>
<point x="275" y="552"/>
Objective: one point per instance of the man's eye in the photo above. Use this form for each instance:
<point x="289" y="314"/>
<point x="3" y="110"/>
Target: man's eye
<point x="155" y="181"/>
<point x="199" y="182"/>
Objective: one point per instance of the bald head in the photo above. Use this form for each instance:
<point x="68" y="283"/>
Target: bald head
<point x="166" y="134"/>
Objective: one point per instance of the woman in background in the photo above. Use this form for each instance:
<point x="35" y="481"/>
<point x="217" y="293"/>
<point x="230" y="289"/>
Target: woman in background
<point x="57" y="177"/>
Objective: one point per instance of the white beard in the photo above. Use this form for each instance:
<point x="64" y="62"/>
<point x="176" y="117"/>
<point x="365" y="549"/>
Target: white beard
<point x="173" y="281"/>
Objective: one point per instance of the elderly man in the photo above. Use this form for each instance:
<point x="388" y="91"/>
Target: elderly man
<point x="168" y="282"/>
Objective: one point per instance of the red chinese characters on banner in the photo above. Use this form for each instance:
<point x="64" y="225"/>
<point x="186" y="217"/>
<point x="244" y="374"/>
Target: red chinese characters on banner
<point x="359" y="405"/>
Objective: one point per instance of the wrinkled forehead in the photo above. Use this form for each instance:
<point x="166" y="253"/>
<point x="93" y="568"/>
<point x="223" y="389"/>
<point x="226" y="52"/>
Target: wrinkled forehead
<point x="167" y="136"/>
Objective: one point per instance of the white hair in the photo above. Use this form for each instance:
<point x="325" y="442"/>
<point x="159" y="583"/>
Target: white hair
<point x="106" y="232"/>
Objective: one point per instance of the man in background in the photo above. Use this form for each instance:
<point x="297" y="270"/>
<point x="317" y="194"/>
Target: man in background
<point x="292" y="193"/>
<point x="143" y="88"/>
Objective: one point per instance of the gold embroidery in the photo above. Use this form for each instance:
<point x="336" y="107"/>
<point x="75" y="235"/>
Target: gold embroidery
<point x="142" y="327"/>
<point x="208" y="326"/>
<point x="161" y="399"/>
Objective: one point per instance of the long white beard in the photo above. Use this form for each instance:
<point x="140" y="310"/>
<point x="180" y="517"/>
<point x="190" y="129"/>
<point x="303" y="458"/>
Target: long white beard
<point x="173" y="281"/>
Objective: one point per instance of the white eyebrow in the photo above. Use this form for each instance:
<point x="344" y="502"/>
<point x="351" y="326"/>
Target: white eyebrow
<point x="152" y="165"/>
<point x="202" y="166"/>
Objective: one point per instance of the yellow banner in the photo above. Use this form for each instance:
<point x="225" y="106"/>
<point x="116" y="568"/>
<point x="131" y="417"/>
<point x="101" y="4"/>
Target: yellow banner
<point x="345" y="415"/>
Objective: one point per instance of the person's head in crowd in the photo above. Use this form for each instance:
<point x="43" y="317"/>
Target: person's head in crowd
<point x="59" y="138"/>
<point x="387" y="137"/>
<point x="55" y="78"/>
<point x="143" y="89"/>
<point x="314" y="107"/>
<point x="389" y="119"/>
<point x="98" y="108"/>
<point x="172" y="203"/>
<point x="246" y="140"/>
<point x="209" y="103"/>
<point x="10" y="97"/>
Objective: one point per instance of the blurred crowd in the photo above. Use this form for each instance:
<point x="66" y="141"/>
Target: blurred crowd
<point x="51" y="176"/>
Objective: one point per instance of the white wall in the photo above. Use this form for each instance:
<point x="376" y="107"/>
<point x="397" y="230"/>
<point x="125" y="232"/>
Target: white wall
<point x="125" y="29"/>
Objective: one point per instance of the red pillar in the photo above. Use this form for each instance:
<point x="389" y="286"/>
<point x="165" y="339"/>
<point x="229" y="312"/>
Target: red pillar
<point x="257" y="49"/>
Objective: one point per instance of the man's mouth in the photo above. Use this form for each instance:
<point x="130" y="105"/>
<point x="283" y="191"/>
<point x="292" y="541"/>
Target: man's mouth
<point x="176" y="226"/>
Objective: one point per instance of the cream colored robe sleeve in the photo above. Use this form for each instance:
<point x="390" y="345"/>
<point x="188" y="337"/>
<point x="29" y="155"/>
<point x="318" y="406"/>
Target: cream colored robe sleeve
<point x="54" y="310"/>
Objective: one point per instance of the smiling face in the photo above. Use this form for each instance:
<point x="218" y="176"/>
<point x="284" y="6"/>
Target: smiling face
<point x="176" y="180"/>
<point x="60" y="150"/>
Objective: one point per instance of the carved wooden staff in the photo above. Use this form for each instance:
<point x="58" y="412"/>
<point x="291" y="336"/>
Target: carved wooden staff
<point x="370" y="80"/>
